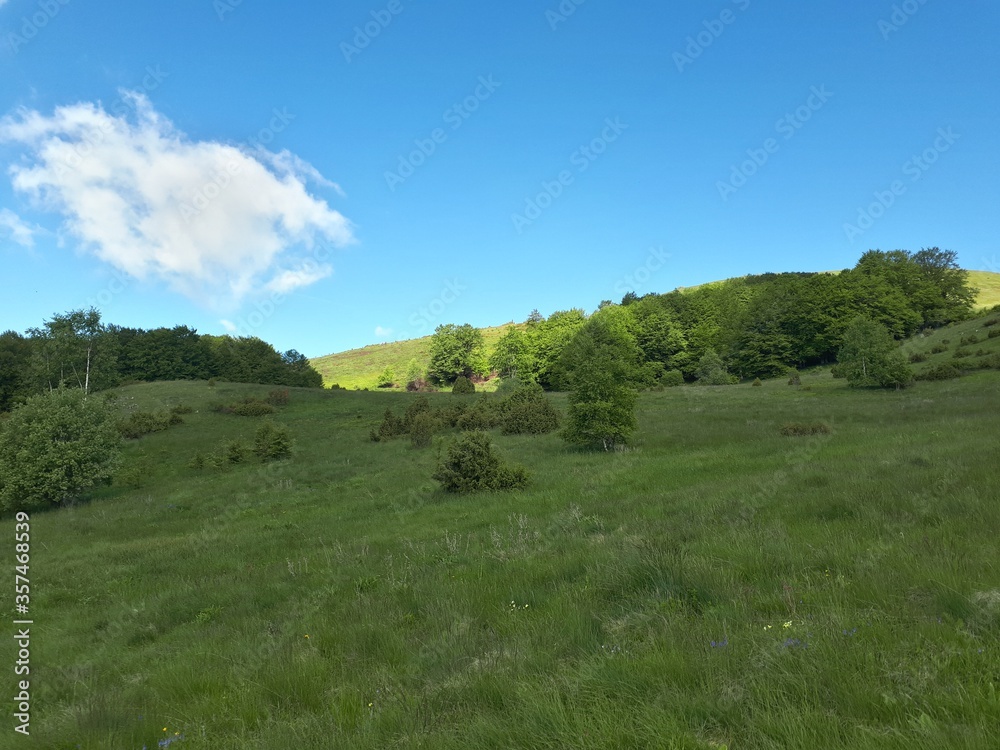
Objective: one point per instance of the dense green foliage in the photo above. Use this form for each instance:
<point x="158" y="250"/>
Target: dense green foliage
<point x="272" y="442"/>
<point x="55" y="447"/>
<point x="869" y="357"/>
<point x="600" y="362"/>
<point x="527" y="411"/>
<point x="473" y="465"/>
<point x="463" y="386"/>
<point x="456" y="351"/>
<point x="77" y="350"/>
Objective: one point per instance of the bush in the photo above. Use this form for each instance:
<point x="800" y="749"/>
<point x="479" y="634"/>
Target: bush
<point x="278" y="397"/>
<point x="252" y="407"/>
<point x="419" y="385"/>
<point x="961" y="354"/>
<point x="463" y="385"/>
<point x="181" y="409"/>
<point x="939" y="348"/>
<point x="234" y="451"/>
<point x="211" y="382"/>
<point x="940" y="372"/>
<point x="422" y="430"/>
<point x="484" y="414"/>
<point x="54" y="447"/>
<point x="391" y="426"/>
<point x="968" y="340"/>
<point x="991" y="322"/>
<point x="794" y="378"/>
<point x="992" y="362"/>
<point x="797" y="429"/>
<point x="140" y="423"/>
<point x="838" y="371"/>
<point x="272" y="442"/>
<point x="712" y="371"/>
<point x="917" y="357"/>
<point x="993" y="334"/>
<point x="418" y="406"/>
<point x="527" y="411"/>
<point x="450" y="414"/>
<point x="472" y="465"/>
<point x="756" y="383"/>
<point x="672" y="378"/>
<point x="387" y="378"/>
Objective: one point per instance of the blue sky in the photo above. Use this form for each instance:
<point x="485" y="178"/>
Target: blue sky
<point x="327" y="175"/>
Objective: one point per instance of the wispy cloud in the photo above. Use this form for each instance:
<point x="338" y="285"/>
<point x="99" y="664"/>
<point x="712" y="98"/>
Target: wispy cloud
<point x="12" y="226"/>
<point x="383" y="333"/>
<point x="215" y="221"/>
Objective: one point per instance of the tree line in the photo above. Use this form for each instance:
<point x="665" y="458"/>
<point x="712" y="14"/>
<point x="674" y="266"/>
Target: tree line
<point x="77" y="350"/>
<point x="754" y="326"/>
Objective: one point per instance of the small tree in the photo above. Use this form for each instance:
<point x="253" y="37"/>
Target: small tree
<point x="456" y="350"/>
<point x="869" y="357"/>
<point x="712" y="371"/>
<point x="414" y="372"/>
<point x="472" y="465"/>
<point x="387" y="378"/>
<point x="54" y="448"/>
<point x="272" y="442"/>
<point x="601" y="401"/>
<point x="463" y="385"/>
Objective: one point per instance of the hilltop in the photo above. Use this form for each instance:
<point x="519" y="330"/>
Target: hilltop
<point x="360" y="368"/>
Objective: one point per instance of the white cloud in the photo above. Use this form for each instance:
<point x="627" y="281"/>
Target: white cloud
<point x="229" y="325"/>
<point x="383" y="333"/>
<point x="14" y="227"/>
<point x="215" y="221"/>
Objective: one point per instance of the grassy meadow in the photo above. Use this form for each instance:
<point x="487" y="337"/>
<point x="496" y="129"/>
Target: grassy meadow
<point x="716" y="585"/>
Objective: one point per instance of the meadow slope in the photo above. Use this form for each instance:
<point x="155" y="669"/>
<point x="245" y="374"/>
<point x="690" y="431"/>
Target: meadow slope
<point x="716" y="585"/>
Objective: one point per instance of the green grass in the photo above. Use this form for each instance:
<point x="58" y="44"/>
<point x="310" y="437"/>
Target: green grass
<point x="852" y="578"/>
<point x="360" y="368"/>
<point x="988" y="284"/>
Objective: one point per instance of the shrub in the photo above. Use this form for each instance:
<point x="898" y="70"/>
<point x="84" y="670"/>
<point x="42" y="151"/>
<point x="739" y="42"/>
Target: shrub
<point x="484" y="414"/>
<point x="391" y="426"/>
<point x="672" y="378"/>
<point x="712" y="371"/>
<point x="251" y="407"/>
<point x="211" y="382"/>
<point x="756" y="383"/>
<point x="994" y="333"/>
<point x="181" y="409"/>
<point x="992" y="362"/>
<point x="961" y="354"/>
<point x="234" y="451"/>
<point x="838" y="371"/>
<point x="472" y="465"/>
<point x="794" y="378"/>
<point x="939" y="348"/>
<point x="940" y="372"/>
<point x="419" y="385"/>
<point x="917" y="357"/>
<point x="272" y="442"/>
<point x="278" y="397"/>
<point x="54" y="447"/>
<point x="991" y="322"/>
<point x="422" y="430"/>
<point x="385" y="380"/>
<point x="797" y="429"/>
<point x="968" y="340"/>
<point x="418" y="406"/>
<point x="463" y="385"/>
<point x="527" y="411"/>
<point x="450" y="414"/>
<point x="140" y="423"/>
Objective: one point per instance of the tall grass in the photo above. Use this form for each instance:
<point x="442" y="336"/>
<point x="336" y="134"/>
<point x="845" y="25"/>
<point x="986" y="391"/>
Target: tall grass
<point x="717" y="584"/>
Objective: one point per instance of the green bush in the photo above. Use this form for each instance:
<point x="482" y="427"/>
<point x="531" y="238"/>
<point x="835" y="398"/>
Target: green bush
<point x="969" y="340"/>
<point x="756" y="383"/>
<point x="422" y="430"/>
<point x="940" y="372"/>
<point x="961" y="354"/>
<point x="712" y="371"/>
<point x="484" y="414"/>
<point x="994" y="333"/>
<point x="473" y="465"/>
<point x="391" y="426"/>
<point x="140" y="423"/>
<point x="234" y="451"/>
<point x="450" y="413"/>
<point x="420" y="405"/>
<point x="917" y="357"/>
<point x="794" y="378"/>
<point x="463" y="385"/>
<point x="252" y="407"/>
<point x="272" y="442"/>
<point x="181" y="409"/>
<point x="672" y="378"/>
<point x="54" y="447"/>
<point x="939" y="348"/>
<point x="527" y="411"/>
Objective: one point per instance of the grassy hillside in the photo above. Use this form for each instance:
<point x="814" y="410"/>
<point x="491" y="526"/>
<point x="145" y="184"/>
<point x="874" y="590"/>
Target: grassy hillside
<point x="360" y="368"/>
<point x="988" y="284"/>
<point x="716" y="585"/>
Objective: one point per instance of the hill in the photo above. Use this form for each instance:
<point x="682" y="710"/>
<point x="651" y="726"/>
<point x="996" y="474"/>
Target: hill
<point x="360" y="368"/>
<point x="716" y="585"/>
